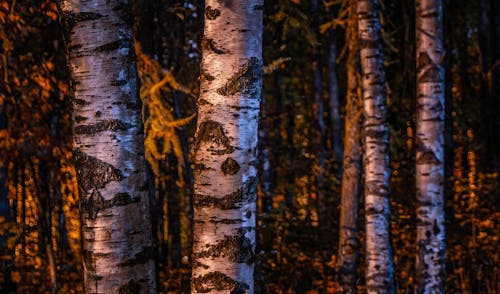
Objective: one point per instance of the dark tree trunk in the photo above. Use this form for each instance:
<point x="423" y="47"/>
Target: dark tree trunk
<point x="348" y="229"/>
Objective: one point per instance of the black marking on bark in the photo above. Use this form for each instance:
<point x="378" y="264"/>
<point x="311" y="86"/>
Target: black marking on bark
<point x="93" y="204"/>
<point x="75" y="47"/>
<point x="70" y="19"/>
<point x="372" y="210"/>
<point x="375" y="134"/>
<point x="258" y="7"/>
<point x="132" y="287"/>
<point x="368" y="44"/>
<point x="105" y="125"/>
<point x="236" y="248"/>
<point x="233" y="200"/>
<point x="141" y="257"/>
<point x="94" y="277"/>
<point x="80" y="102"/>
<point x="376" y="188"/>
<point x="98" y="114"/>
<point x="206" y="76"/>
<point x="435" y="228"/>
<point x="93" y="173"/>
<point x="123" y="43"/>
<point x="245" y="80"/>
<point x="119" y="83"/>
<point x="218" y="281"/>
<point x="80" y="118"/>
<point x="226" y="221"/>
<point x="121" y="199"/>
<point x="203" y="102"/>
<point x="230" y="166"/>
<point x="209" y="44"/>
<point x="88" y="260"/>
<point x="212" y="13"/>
<point x="428" y="71"/>
<point x="197" y="264"/>
<point x="213" y="132"/>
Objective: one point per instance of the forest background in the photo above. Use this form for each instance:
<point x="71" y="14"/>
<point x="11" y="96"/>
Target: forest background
<point x="39" y="204"/>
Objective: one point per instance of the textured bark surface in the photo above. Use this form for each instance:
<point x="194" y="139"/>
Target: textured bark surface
<point x="109" y="151"/>
<point x="379" y="263"/>
<point x="349" y="238"/>
<point x="431" y="244"/>
<point x="226" y="148"/>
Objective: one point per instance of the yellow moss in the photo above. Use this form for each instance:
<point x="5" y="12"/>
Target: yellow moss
<point x="160" y="124"/>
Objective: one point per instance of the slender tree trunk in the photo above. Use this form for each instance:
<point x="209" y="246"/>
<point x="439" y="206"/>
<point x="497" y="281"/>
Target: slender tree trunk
<point x="379" y="263"/>
<point x="226" y="148"/>
<point x="109" y="151"/>
<point x="333" y="87"/>
<point x="495" y="81"/>
<point x="319" y="131"/>
<point x="349" y="239"/>
<point x="430" y="260"/>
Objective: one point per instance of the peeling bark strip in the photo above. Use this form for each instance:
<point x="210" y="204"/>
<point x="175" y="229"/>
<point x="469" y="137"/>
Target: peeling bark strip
<point x="379" y="261"/>
<point x="431" y="245"/>
<point x="225" y="185"/>
<point x="109" y="149"/>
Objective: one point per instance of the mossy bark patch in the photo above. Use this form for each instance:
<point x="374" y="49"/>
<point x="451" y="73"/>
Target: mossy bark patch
<point x="230" y="166"/>
<point x="212" y="132"/>
<point x="106" y="125"/>
<point x="245" y="81"/>
<point x="233" y="200"/>
<point x="218" y="281"/>
<point x="236" y="248"/>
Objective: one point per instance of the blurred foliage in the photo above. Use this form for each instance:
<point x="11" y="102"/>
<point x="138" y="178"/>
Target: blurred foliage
<point x="39" y="216"/>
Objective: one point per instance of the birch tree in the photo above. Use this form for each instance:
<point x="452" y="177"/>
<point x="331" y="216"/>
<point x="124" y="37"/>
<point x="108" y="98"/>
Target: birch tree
<point x="379" y="264"/>
<point x="431" y="245"/>
<point x="349" y="239"/>
<point x="226" y="146"/>
<point x="109" y="151"/>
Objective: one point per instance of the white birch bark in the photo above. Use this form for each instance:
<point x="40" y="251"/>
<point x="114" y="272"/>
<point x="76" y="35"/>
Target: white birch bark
<point x="109" y="151"/>
<point x="379" y="263"/>
<point x="226" y="146"/>
<point x="431" y="246"/>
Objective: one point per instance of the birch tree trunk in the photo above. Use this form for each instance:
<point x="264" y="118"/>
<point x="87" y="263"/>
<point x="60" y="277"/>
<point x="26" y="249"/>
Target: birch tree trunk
<point x="431" y="244"/>
<point x="226" y="148"/>
<point x="349" y="239"/>
<point x="109" y="151"/>
<point x="379" y="264"/>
